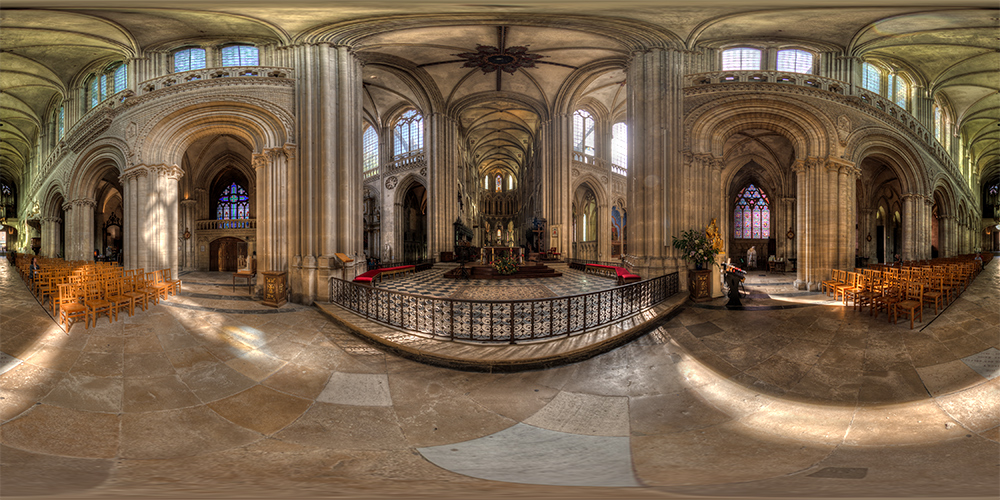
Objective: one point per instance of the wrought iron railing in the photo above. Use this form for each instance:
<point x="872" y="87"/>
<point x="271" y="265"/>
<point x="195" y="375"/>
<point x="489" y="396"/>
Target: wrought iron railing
<point x="508" y="322"/>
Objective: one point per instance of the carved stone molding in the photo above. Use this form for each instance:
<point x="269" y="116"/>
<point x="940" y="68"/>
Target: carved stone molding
<point x="391" y="182"/>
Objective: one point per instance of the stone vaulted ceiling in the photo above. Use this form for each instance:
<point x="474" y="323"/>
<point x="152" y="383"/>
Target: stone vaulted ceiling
<point x="47" y="46"/>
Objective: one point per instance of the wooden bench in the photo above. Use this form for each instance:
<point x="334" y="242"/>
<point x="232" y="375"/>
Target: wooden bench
<point x="380" y="274"/>
<point x="622" y="274"/>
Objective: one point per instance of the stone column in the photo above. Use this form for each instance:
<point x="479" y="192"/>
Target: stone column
<point x="926" y="212"/>
<point x="786" y="245"/>
<point x="556" y="192"/>
<point x="48" y="230"/>
<point x="134" y="216"/>
<point x="442" y="175"/>
<point x="866" y="228"/>
<point x="847" y="213"/>
<point x="271" y="169"/>
<point x="188" y="257"/>
<point x="655" y="111"/>
<point x="168" y="232"/>
<point x="909" y="230"/>
<point x="946" y="236"/>
<point x="82" y="227"/>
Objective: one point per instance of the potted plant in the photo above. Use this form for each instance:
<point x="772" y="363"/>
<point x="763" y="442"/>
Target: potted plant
<point x="696" y="248"/>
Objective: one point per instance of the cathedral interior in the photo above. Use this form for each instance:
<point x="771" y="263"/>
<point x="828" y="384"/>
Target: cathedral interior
<point x="372" y="170"/>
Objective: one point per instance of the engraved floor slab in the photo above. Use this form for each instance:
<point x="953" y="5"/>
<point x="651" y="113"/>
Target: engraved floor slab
<point x="986" y="363"/>
<point x="528" y="454"/>
<point x="357" y="389"/>
<point x="584" y="414"/>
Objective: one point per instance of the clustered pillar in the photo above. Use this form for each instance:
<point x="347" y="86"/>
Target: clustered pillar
<point x="826" y="207"/>
<point x="152" y="232"/>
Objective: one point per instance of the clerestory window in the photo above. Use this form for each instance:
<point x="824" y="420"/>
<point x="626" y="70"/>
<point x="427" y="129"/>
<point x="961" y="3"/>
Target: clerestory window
<point x="240" y="55"/>
<point x="189" y="59"/>
<point x="741" y="59"/>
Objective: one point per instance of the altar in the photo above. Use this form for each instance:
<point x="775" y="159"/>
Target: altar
<point x="489" y="254"/>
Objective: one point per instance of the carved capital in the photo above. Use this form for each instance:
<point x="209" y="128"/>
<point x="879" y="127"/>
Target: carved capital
<point x="133" y="173"/>
<point x="172" y="172"/>
<point x="259" y="160"/>
<point x="83" y="202"/>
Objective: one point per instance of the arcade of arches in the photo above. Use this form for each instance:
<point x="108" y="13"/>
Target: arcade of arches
<point x="371" y="139"/>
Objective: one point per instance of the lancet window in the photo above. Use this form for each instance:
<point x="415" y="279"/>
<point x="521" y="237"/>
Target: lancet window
<point x="752" y="214"/>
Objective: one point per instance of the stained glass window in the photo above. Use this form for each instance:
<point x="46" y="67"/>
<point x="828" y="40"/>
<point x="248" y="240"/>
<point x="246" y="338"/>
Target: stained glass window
<point x="743" y="59"/>
<point x="408" y="134"/>
<point x="871" y="77"/>
<point x="94" y="89"/>
<point x="902" y="92"/>
<point x="61" y="122"/>
<point x="370" y="148"/>
<point x="234" y="203"/>
<point x="752" y="215"/>
<point x="189" y="59"/>
<point x="994" y="189"/>
<point x="121" y="78"/>
<point x="240" y="55"/>
<point x="583" y="132"/>
<point x="795" y="61"/>
<point x="619" y="145"/>
<point x="104" y="86"/>
<point x="499" y="183"/>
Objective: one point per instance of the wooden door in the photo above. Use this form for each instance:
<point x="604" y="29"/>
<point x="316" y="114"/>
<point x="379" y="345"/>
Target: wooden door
<point x="224" y="254"/>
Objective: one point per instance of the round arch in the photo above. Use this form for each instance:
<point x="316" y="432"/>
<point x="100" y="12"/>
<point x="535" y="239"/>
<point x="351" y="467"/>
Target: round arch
<point x="107" y="154"/>
<point x="878" y="143"/>
<point x="708" y="127"/>
<point x="257" y="122"/>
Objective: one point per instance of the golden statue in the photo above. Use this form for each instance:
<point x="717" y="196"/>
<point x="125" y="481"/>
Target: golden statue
<point x="712" y="232"/>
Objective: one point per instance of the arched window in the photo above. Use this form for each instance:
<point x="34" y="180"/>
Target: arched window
<point x="499" y="183"/>
<point x="619" y="145"/>
<point x="240" y="55"/>
<point x="94" y="91"/>
<point x="100" y="86"/>
<point x="189" y="59"/>
<point x="752" y="215"/>
<point x="61" y="121"/>
<point x="583" y="132"/>
<point x="741" y="59"/>
<point x="486" y="183"/>
<point x="369" y="141"/>
<point x="795" y="61"/>
<point x="234" y="203"/>
<point x="408" y="134"/>
<point x="121" y="78"/>
<point x="871" y="77"/>
<point x="938" y="124"/>
<point x="902" y="92"/>
<point x="510" y="183"/>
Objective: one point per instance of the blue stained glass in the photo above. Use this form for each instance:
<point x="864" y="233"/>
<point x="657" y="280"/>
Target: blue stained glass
<point x="234" y="203"/>
<point x="121" y="78"/>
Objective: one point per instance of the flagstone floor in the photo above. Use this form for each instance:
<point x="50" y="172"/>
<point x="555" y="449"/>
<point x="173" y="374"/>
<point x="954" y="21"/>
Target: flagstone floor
<point x="212" y="395"/>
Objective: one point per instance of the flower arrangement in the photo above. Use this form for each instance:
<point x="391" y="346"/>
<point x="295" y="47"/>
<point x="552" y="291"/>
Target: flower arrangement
<point x="505" y="265"/>
<point x="696" y="248"/>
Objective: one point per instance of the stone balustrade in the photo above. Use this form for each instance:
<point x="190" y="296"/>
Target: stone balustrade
<point x="197" y="75"/>
<point x="223" y="224"/>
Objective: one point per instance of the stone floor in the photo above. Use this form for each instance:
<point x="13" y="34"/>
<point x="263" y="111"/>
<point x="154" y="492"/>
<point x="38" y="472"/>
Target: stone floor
<point x="212" y="395"/>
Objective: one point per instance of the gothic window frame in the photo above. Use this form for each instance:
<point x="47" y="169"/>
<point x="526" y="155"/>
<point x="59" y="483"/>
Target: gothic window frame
<point x="741" y="59"/>
<point x="187" y="53"/>
<point x="802" y="61"/>
<point x="229" y="60"/>
<point x="369" y="148"/>
<point x="408" y="133"/>
<point x="226" y="202"/>
<point x="753" y="202"/>
<point x="871" y="77"/>
<point x="619" y="145"/>
<point x="105" y="83"/>
<point x="584" y="138"/>
<point x="901" y="90"/>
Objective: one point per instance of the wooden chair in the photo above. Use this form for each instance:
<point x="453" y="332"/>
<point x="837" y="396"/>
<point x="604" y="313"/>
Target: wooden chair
<point x="913" y="302"/>
<point x="851" y="283"/>
<point x="57" y="297"/>
<point x="891" y="295"/>
<point x="866" y="295"/>
<point x="174" y="285"/>
<point x="95" y="302"/>
<point x="113" y="293"/>
<point x="129" y="289"/>
<point x="72" y="309"/>
<point x="934" y="292"/>
<point x="154" y="280"/>
<point x="828" y="285"/>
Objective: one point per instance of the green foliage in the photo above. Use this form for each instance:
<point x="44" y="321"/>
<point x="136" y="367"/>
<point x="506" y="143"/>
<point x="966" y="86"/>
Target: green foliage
<point x="695" y="248"/>
<point x="505" y="265"/>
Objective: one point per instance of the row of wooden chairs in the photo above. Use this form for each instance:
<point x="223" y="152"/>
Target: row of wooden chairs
<point x="902" y="290"/>
<point x="89" y="298"/>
